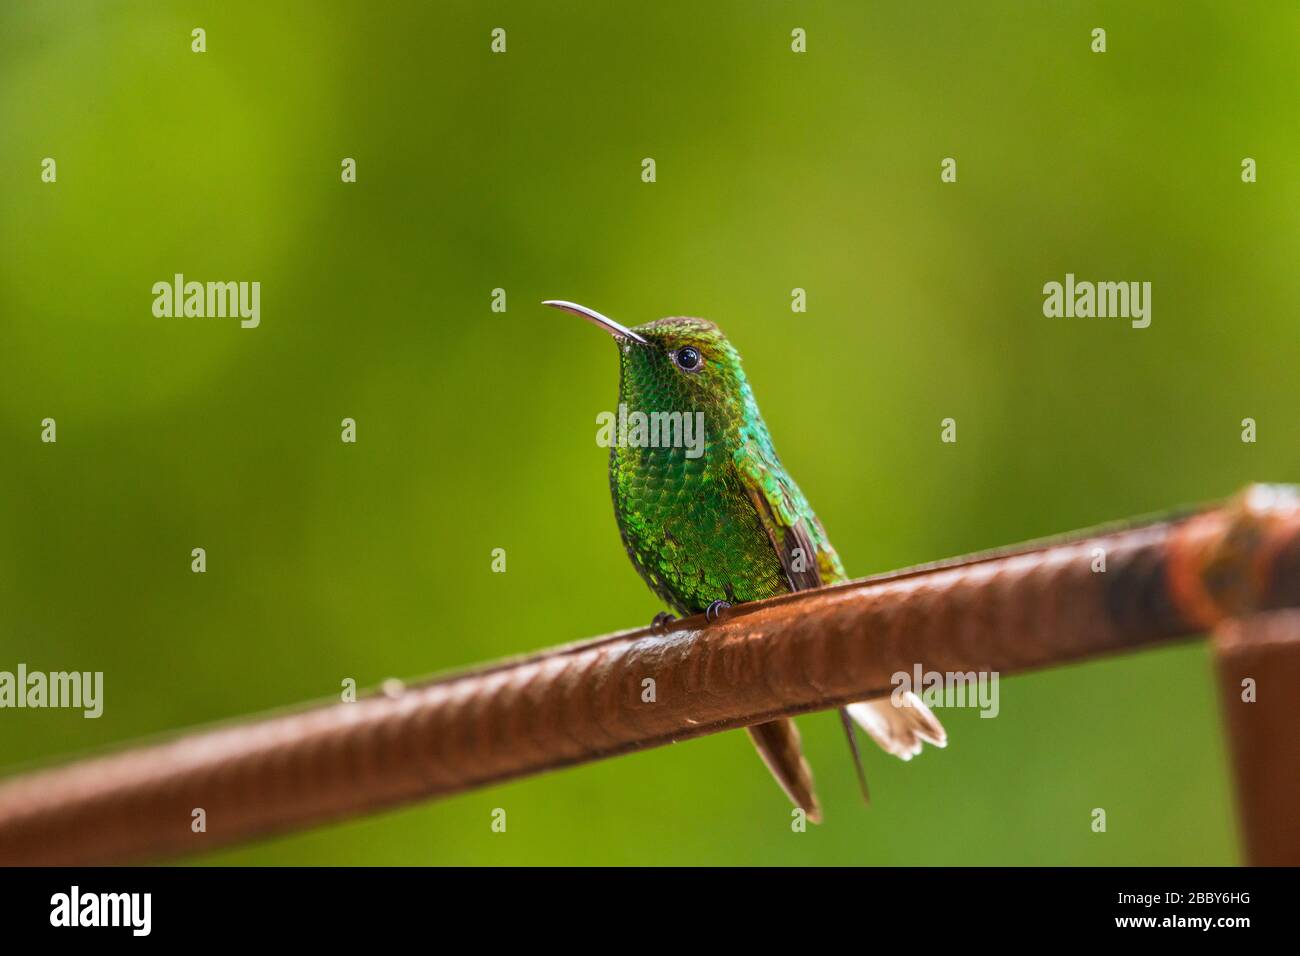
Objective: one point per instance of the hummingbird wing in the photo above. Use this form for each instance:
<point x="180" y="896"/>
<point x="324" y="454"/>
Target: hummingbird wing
<point x="810" y="561"/>
<point x="796" y="534"/>
<point x="806" y="556"/>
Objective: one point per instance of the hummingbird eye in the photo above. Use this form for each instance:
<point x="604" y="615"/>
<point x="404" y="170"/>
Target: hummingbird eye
<point x="688" y="359"/>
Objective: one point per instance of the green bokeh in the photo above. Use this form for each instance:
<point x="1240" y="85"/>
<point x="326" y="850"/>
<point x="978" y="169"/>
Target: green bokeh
<point x="522" y="171"/>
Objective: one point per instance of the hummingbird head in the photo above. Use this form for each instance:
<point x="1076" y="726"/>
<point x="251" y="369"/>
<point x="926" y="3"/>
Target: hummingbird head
<point x="677" y="365"/>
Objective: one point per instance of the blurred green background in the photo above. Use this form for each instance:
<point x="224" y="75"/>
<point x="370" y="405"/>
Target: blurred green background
<point x="476" y="429"/>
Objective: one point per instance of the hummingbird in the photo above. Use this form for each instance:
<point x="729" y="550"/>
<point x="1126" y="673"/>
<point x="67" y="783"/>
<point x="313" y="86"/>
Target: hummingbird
<point x="712" y="529"/>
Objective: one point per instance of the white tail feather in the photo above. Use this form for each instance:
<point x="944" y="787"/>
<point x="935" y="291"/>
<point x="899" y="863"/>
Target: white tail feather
<point x="899" y="730"/>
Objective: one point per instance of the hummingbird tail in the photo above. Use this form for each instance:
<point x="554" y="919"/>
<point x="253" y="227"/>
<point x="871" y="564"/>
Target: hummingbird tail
<point x="899" y="729"/>
<point x="778" y="744"/>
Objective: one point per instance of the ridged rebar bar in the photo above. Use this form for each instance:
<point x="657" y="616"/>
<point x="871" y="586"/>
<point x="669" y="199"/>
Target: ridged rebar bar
<point x="1006" y="612"/>
<point x="1258" y="661"/>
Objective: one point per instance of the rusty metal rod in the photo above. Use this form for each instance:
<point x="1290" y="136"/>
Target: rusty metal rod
<point x="1258" y="662"/>
<point x="1004" y="612"/>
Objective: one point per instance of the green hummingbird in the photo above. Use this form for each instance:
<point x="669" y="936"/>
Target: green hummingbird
<point x="721" y="522"/>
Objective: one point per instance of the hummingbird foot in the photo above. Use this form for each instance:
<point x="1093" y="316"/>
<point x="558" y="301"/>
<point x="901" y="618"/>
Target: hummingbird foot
<point x="661" y="621"/>
<point x="714" y="610"/>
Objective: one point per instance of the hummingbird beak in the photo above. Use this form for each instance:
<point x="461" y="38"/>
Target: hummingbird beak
<point x="620" y="332"/>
